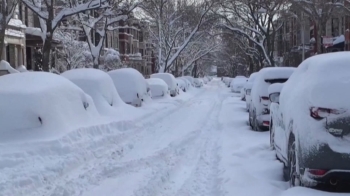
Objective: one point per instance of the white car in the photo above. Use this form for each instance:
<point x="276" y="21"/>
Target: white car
<point x="237" y="84"/>
<point x="311" y="127"/>
<point x="158" y="87"/>
<point x="130" y="84"/>
<point x="170" y="80"/>
<point x="248" y="87"/>
<point x="259" y="112"/>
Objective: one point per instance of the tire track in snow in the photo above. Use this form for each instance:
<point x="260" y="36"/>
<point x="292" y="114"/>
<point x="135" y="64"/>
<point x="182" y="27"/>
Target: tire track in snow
<point x="109" y="164"/>
<point x="195" y="173"/>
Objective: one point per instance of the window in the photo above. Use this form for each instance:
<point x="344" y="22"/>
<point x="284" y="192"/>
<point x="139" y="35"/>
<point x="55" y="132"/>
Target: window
<point x="20" y="15"/>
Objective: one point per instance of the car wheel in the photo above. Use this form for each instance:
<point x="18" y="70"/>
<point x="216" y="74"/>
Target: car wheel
<point x="272" y="136"/>
<point x="293" y="166"/>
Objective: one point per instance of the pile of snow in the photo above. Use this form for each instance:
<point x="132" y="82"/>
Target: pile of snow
<point x="158" y="87"/>
<point x="320" y="81"/>
<point x="44" y="102"/>
<point x="260" y="86"/>
<point x="22" y="68"/>
<point x="170" y="80"/>
<point x="130" y="84"/>
<point x="5" y="66"/>
<point x="99" y="85"/>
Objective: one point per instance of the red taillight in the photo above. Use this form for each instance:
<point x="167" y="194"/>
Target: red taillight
<point x="317" y="172"/>
<point x="264" y="99"/>
<point x="266" y="123"/>
<point x="320" y="113"/>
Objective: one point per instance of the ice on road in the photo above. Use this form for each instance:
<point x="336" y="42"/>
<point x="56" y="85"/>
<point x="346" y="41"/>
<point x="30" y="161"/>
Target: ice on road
<point x="199" y="146"/>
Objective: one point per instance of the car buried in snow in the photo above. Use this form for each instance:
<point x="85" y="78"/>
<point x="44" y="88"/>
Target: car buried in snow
<point x="311" y="123"/>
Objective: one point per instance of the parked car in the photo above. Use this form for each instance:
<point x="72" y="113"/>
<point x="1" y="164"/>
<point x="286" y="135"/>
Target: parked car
<point x="190" y="79"/>
<point x="182" y="84"/>
<point x="248" y="87"/>
<point x="187" y="82"/>
<point x="259" y="112"/>
<point x="198" y="82"/>
<point x="99" y="85"/>
<point x="158" y="87"/>
<point x="227" y="81"/>
<point x="41" y="103"/>
<point x="170" y="80"/>
<point x="237" y="84"/>
<point x="130" y="84"/>
<point x="312" y="123"/>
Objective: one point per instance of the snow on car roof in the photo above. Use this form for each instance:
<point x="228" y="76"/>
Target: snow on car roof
<point x="276" y="72"/>
<point x="154" y="81"/>
<point x="168" y="78"/>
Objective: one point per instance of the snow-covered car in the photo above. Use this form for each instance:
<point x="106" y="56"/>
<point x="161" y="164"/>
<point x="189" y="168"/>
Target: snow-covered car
<point x="187" y="82"/>
<point x="313" y="123"/>
<point x="237" y="84"/>
<point x="198" y="82"/>
<point x="248" y="88"/>
<point x="99" y="85"/>
<point x="170" y="80"/>
<point x="259" y="112"/>
<point x="41" y="101"/>
<point x="181" y="84"/>
<point x="158" y="87"/>
<point x="227" y="81"/>
<point x="130" y="84"/>
<point x="205" y="80"/>
<point x="190" y="79"/>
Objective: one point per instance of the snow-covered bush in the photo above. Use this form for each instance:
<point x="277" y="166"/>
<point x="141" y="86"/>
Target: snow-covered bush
<point x="39" y="100"/>
<point x="111" y="60"/>
<point x="158" y="87"/>
<point x="99" y="86"/>
<point x="130" y="84"/>
<point x="170" y="80"/>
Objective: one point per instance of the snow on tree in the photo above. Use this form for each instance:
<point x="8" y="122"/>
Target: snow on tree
<point x="73" y="53"/>
<point x="320" y="13"/>
<point x="8" y="8"/>
<point x="255" y="21"/>
<point x="175" y="24"/>
<point x="111" y="60"/>
<point x="51" y="14"/>
<point x="102" y="20"/>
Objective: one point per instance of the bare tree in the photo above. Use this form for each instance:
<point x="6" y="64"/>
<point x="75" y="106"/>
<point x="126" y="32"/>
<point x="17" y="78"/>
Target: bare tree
<point x="8" y="8"/>
<point x="51" y="13"/>
<point x="103" y="20"/>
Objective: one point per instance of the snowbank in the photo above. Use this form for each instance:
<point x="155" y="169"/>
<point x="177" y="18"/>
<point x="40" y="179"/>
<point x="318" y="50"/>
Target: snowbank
<point x="44" y="102"/>
<point x="22" y="68"/>
<point x="169" y="79"/>
<point x="158" y="87"/>
<point x="4" y="65"/>
<point x="130" y="84"/>
<point x="99" y="86"/>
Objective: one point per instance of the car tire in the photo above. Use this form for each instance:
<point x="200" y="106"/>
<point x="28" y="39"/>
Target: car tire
<point x="294" y="179"/>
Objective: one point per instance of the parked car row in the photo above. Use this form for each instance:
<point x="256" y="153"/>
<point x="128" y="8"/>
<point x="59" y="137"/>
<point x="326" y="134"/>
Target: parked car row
<point x="47" y="100"/>
<point x="307" y="111"/>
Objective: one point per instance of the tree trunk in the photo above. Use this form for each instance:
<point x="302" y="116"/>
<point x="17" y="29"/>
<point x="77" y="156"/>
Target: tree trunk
<point x="96" y="61"/>
<point x="46" y="53"/>
<point x="2" y="42"/>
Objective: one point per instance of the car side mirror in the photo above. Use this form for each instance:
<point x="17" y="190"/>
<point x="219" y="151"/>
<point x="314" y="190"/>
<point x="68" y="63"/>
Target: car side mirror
<point x="274" y="97"/>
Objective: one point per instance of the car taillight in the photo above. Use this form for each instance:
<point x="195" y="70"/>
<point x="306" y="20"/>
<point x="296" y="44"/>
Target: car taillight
<point x="266" y="123"/>
<point x="264" y="99"/>
<point x="317" y="172"/>
<point x="321" y="113"/>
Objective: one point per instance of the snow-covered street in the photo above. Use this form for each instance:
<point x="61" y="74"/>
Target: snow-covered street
<point x="198" y="145"/>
